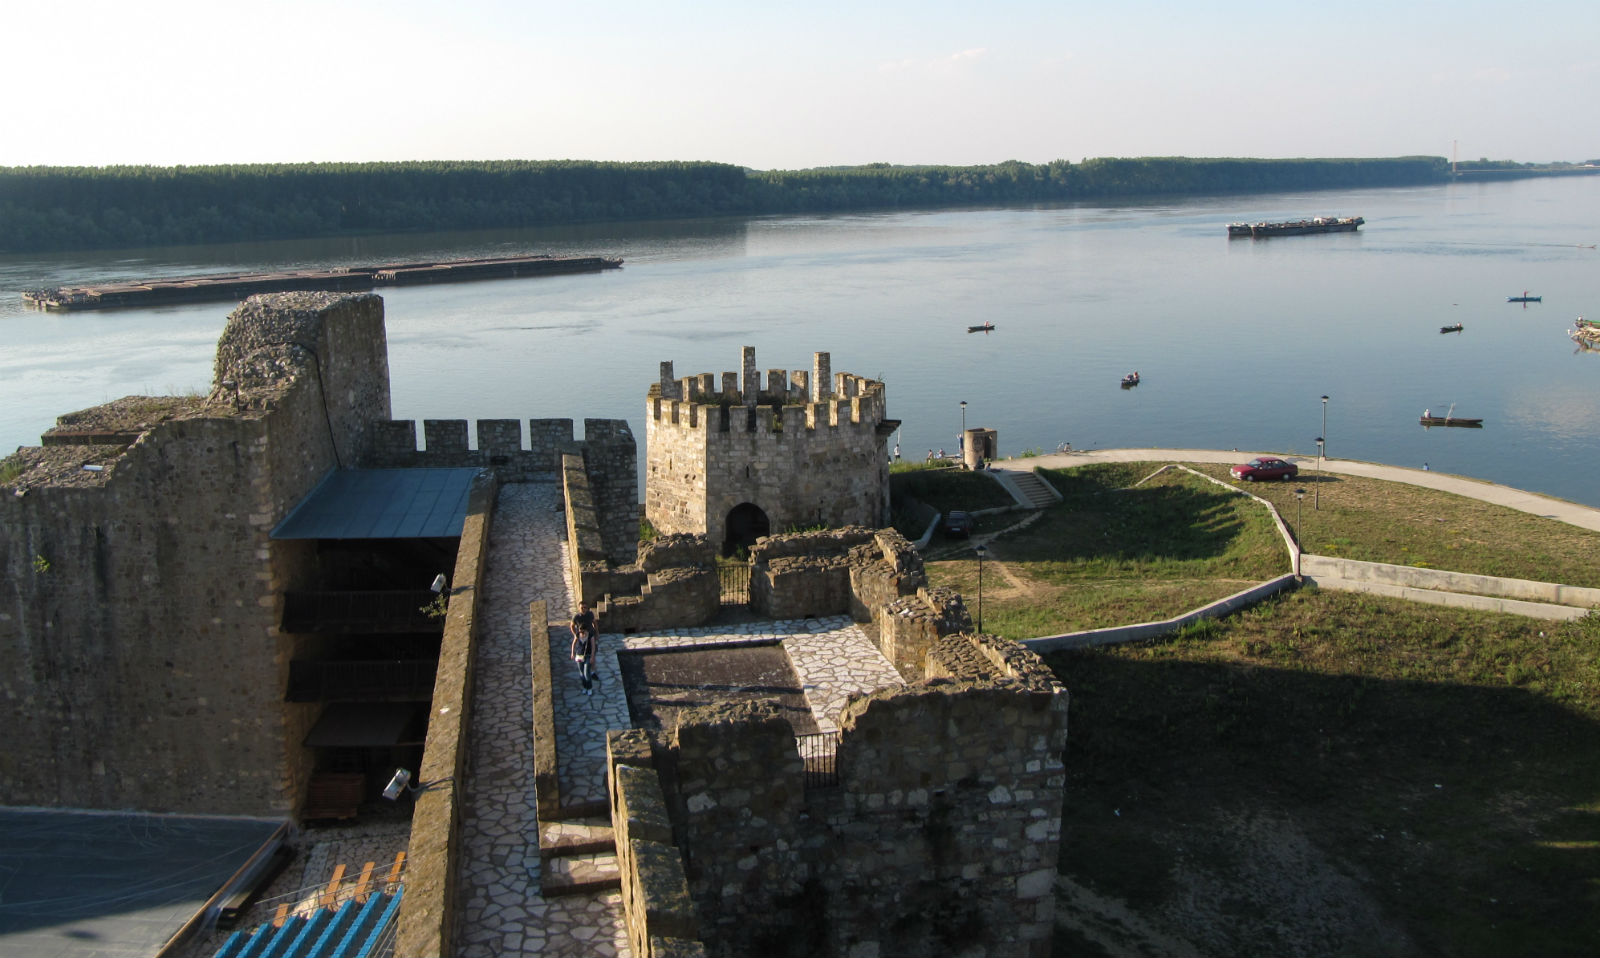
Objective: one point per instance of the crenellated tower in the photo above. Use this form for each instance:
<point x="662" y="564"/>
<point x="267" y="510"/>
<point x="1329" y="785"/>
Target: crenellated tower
<point x="735" y="460"/>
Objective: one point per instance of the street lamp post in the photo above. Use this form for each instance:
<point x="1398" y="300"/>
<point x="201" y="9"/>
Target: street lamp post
<point x="1299" y="520"/>
<point x="961" y="441"/>
<point x="981" y="551"/>
<point x="1316" y="497"/>
<point x="1324" y="415"/>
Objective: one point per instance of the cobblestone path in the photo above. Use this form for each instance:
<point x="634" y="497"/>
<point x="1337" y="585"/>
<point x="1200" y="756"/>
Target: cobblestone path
<point x="502" y="910"/>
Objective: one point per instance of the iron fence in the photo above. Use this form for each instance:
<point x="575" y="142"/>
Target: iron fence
<point x="819" y="752"/>
<point x="735" y="582"/>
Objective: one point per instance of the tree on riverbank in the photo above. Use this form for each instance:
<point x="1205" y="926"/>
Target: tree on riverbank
<point x="57" y="208"/>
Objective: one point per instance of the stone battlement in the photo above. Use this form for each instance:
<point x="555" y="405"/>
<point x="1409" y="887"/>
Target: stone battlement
<point x="446" y="444"/>
<point x="777" y="420"/>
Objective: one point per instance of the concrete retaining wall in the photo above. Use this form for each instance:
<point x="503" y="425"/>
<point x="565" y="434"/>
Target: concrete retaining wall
<point x="1151" y="630"/>
<point x="1353" y="572"/>
<point x="1457" y="600"/>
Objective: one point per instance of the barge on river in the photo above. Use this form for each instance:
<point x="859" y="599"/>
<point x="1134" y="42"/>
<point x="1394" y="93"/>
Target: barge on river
<point x="236" y="286"/>
<point x="1317" y="224"/>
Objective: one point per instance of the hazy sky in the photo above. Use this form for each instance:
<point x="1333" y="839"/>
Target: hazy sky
<point x="795" y="85"/>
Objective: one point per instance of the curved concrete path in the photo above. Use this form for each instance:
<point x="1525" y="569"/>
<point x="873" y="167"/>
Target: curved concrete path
<point x="1561" y="510"/>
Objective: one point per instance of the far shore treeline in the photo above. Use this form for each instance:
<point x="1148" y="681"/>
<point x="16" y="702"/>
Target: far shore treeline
<point x="65" y="208"/>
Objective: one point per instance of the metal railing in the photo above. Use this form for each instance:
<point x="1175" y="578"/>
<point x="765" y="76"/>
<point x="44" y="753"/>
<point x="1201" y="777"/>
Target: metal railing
<point x="735" y="583"/>
<point x="819" y="752"/>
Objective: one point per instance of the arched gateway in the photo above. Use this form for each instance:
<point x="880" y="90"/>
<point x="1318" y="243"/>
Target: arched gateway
<point x="745" y="524"/>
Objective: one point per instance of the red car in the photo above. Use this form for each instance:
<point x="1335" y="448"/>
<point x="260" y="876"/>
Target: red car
<point x="1266" y="467"/>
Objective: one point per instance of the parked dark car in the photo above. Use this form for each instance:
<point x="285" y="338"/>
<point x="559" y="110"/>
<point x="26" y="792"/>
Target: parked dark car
<point x="1265" y="467"/>
<point x="958" y="523"/>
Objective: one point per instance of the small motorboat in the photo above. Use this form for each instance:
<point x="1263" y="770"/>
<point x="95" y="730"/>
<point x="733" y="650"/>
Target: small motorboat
<point x="1448" y="419"/>
<point x="986" y="327"/>
<point x="1452" y="328"/>
<point x="1131" y="380"/>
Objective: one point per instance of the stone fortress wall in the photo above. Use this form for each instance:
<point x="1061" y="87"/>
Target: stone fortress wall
<point x="808" y="449"/>
<point x="139" y="627"/>
<point x="940" y="835"/>
<point x="140" y="623"/>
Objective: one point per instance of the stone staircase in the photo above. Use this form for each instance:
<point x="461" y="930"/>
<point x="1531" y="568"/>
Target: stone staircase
<point x="578" y="857"/>
<point x="1030" y="490"/>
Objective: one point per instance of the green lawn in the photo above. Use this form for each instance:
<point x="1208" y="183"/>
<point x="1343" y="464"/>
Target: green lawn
<point x="1426" y="776"/>
<point x="1110" y="555"/>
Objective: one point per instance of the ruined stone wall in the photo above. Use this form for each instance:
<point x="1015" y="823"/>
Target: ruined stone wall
<point x="803" y="459"/>
<point x="910" y="626"/>
<point x="941" y="837"/>
<point x="657" y="907"/>
<point x="800" y="574"/>
<point x="751" y="855"/>
<point x="139" y="618"/>
<point x="952" y="797"/>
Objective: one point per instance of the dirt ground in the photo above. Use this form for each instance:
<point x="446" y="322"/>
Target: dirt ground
<point x="661" y="684"/>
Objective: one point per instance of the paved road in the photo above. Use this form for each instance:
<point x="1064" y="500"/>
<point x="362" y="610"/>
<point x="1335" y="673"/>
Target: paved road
<point x="1558" y="509"/>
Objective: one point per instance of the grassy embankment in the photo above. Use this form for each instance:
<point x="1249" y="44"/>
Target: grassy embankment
<point x="1326" y="772"/>
<point x="1111" y="555"/>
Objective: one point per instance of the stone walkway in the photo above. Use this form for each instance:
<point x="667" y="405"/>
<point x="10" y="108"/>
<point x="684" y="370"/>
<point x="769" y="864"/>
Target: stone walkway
<point x="503" y="911"/>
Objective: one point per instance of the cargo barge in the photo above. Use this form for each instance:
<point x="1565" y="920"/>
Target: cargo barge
<point x="237" y="286"/>
<point x="1317" y="224"/>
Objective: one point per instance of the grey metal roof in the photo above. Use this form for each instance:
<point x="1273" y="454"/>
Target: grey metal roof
<point x="382" y="504"/>
<point x="96" y="885"/>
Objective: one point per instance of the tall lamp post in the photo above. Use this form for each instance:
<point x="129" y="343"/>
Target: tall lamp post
<point x="1299" y="524"/>
<point x="981" y="551"/>
<point x="1316" y="497"/>
<point x="961" y="441"/>
<point x="1324" y="415"/>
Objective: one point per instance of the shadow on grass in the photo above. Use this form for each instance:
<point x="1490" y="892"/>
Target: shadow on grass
<point x="1165" y="522"/>
<point x="1464" y="818"/>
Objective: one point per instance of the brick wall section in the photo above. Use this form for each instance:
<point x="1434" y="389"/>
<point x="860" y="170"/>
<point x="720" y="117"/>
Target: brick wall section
<point x="139" y="616"/>
<point x="427" y="919"/>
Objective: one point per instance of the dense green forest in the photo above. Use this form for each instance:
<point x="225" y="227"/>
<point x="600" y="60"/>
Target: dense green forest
<point x="59" y="208"/>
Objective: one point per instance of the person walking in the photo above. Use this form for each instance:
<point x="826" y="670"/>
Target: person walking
<point x="585" y="646"/>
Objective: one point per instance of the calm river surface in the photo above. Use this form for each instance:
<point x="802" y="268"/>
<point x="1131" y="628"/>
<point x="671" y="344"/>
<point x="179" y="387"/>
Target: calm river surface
<point x="1236" y="340"/>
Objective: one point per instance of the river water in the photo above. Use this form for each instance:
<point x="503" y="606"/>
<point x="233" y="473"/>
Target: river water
<point x="1236" y="340"/>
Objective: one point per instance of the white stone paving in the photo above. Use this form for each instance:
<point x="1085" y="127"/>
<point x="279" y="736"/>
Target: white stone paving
<point x="502" y="910"/>
<point x="832" y="657"/>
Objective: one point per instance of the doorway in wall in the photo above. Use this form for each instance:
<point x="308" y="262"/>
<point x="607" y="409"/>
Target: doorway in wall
<point x="746" y="523"/>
